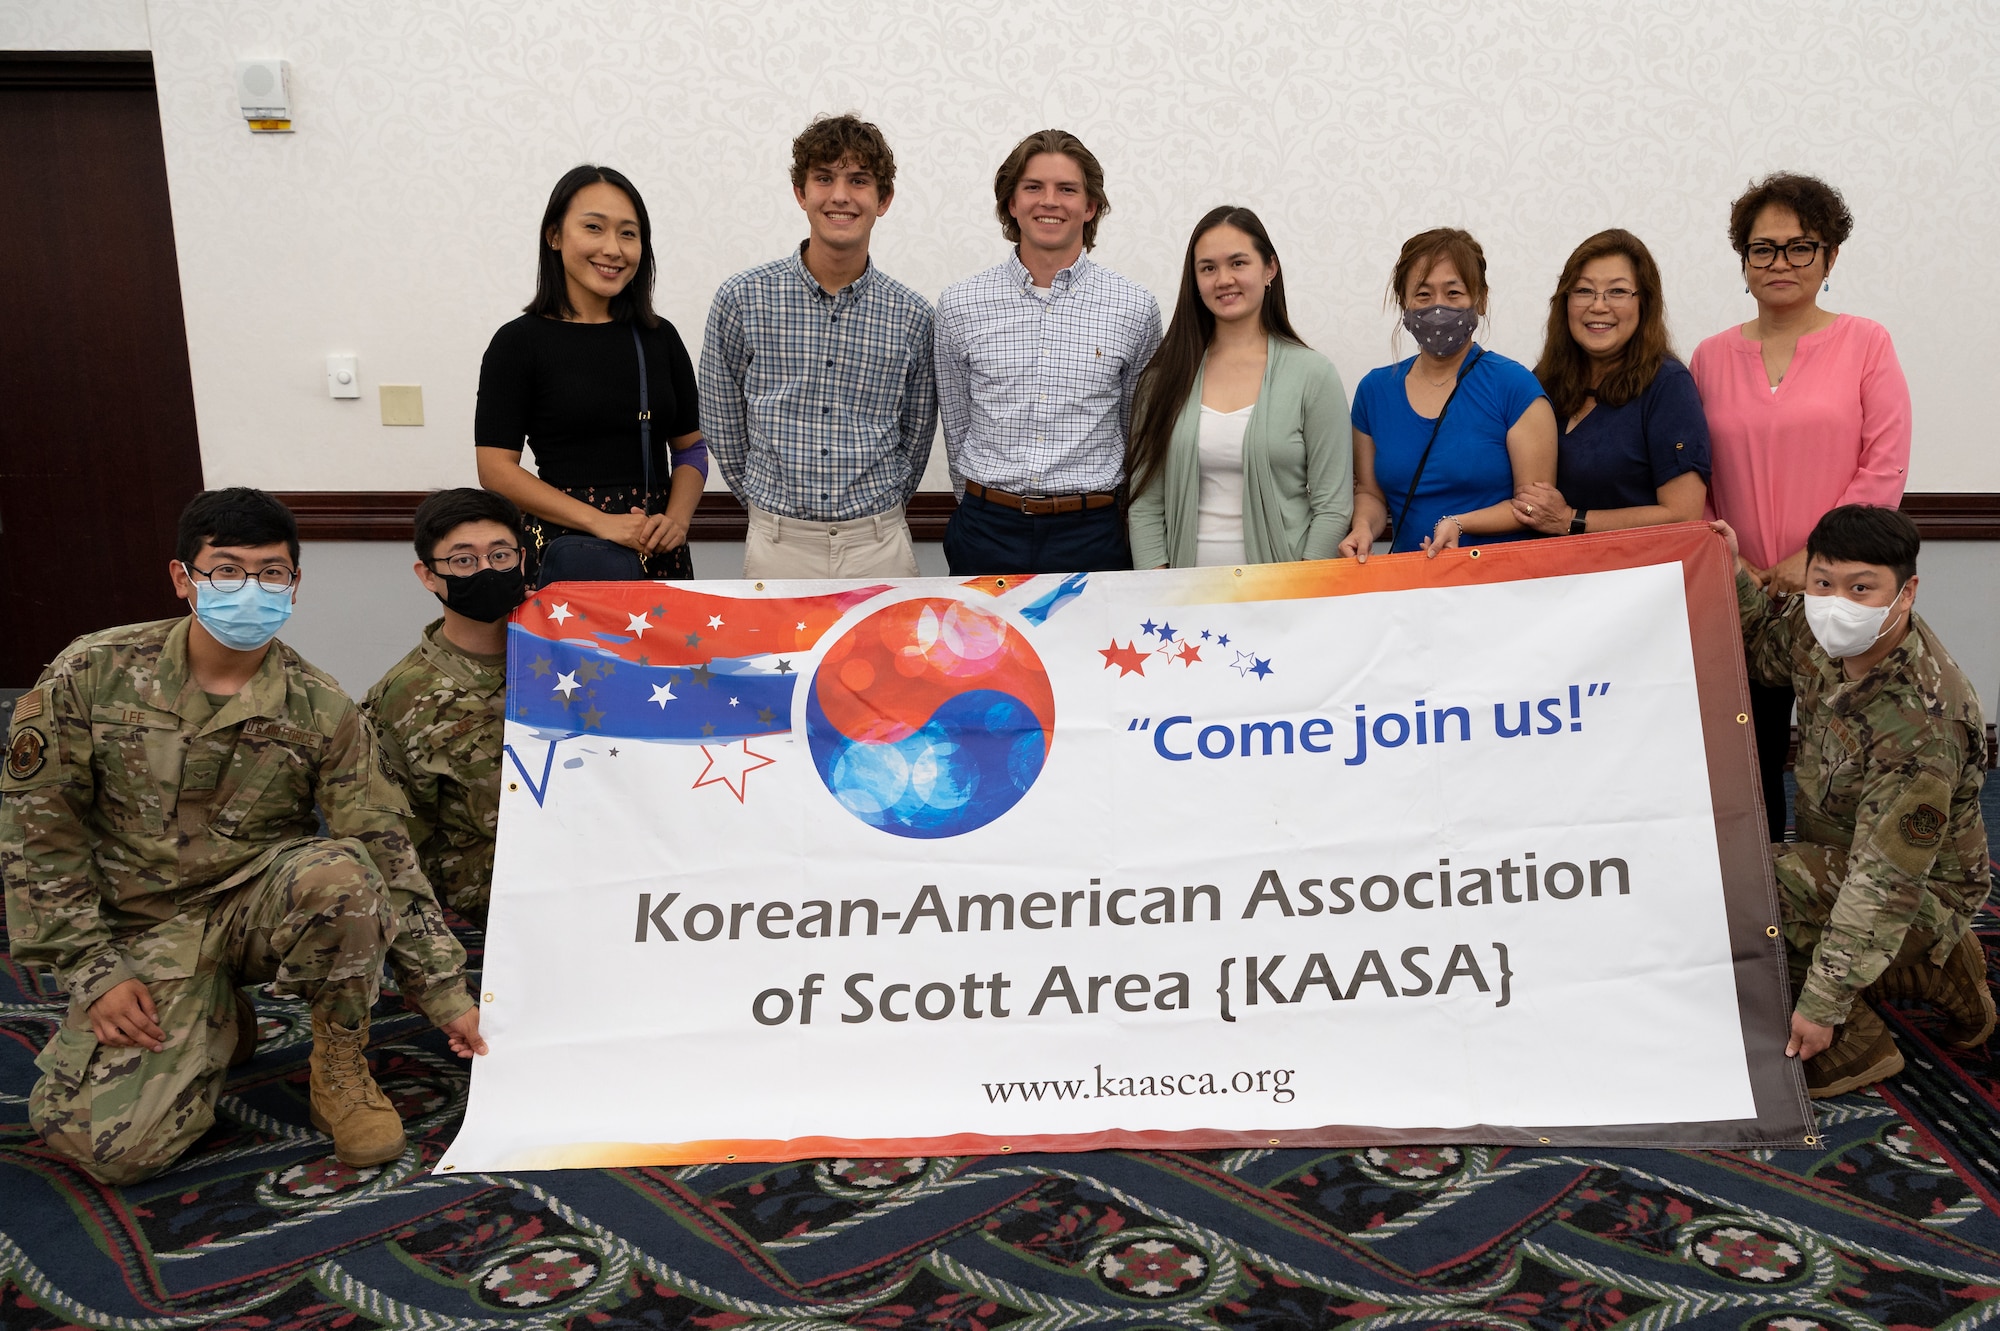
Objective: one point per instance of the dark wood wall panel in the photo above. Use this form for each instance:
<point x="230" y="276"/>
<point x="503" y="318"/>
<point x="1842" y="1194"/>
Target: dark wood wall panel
<point x="98" y="452"/>
<point x="384" y="515"/>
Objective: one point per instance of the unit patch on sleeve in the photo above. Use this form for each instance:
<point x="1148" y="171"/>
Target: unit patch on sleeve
<point x="1922" y="826"/>
<point x="26" y="753"/>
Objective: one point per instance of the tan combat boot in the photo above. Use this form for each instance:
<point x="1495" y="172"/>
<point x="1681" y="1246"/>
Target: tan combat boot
<point x="347" y="1105"/>
<point x="1957" y="989"/>
<point x="1862" y="1053"/>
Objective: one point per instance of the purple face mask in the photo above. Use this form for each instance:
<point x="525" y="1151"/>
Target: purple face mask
<point x="1442" y="330"/>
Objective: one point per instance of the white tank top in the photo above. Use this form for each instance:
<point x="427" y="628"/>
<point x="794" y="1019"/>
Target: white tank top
<point x="1219" y="529"/>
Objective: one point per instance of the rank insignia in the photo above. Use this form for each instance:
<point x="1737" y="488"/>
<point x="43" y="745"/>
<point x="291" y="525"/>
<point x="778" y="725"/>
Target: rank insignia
<point x="1922" y="826"/>
<point x="27" y="753"/>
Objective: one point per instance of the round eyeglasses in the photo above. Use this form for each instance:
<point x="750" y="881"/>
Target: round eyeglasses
<point x="231" y="577"/>
<point x="1798" y="253"/>
<point x="465" y="565"/>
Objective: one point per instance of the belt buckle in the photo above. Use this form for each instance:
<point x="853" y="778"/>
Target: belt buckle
<point x="1034" y="499"/>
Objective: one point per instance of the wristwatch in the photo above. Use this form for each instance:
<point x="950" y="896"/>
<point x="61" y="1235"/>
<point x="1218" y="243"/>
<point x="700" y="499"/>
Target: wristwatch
<point x="1576" y="518"/>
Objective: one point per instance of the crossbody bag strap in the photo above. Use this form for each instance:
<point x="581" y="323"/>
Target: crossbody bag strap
<point x="1410" y="496"/>
<point x="645" y="421"/>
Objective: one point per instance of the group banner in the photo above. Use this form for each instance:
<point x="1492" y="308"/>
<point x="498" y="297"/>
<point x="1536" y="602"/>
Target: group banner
<point x="1463" y="849"/>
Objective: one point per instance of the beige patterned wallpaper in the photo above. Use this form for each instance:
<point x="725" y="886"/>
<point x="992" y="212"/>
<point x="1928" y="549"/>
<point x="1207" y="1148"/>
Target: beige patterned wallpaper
<point x="397" y="222"/>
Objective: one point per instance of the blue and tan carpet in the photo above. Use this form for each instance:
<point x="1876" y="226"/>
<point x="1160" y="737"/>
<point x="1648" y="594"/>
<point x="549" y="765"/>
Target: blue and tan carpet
<point x="1894" y="1222"/>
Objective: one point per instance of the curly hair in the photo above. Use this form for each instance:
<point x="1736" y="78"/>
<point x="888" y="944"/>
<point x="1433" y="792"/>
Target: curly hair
<point x="1818" y="205"/>
<point x="831" y="140"/>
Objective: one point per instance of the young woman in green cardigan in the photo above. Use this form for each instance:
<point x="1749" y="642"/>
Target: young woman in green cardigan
<point x="1240" y="450"/>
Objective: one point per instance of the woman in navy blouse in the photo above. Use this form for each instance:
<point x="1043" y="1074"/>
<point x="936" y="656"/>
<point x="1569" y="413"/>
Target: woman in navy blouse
<point x="1633" y="448"/>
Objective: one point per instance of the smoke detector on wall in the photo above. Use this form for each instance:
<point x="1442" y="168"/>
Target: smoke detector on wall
<point x="264" y="90"/>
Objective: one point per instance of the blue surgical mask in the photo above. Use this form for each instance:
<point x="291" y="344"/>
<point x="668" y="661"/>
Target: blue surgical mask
<point x="244" y="619"/>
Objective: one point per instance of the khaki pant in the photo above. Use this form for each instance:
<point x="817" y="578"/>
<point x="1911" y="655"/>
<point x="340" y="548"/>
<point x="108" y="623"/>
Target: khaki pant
<point x="1810" y="877"/>
<point x="871" y="547"/>
<point x="317" y="922"/>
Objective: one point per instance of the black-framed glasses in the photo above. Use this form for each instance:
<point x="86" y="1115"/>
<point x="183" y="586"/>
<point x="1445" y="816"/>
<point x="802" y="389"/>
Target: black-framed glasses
<point x="1798" y="253"/>
<point x="1587" y="296"/>
<point x="231" y="577"/>
<point x="464" y="565"/>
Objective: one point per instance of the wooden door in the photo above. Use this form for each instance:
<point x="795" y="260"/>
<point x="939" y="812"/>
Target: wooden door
<point x="97" y="436"/>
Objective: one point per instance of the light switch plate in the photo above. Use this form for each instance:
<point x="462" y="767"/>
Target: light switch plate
<point x="343" y="377"/>
<point x="402" y="404"/>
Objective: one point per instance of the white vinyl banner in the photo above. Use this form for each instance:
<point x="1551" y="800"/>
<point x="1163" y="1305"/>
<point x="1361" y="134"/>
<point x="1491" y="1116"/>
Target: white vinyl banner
<point x="820" y="868"/>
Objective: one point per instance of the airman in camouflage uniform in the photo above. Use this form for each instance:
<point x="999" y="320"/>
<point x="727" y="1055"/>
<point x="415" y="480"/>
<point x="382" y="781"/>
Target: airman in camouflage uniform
<point x="441" y="714"/>
<point x="158" y="848"/>
<point x="1891" y="862"/>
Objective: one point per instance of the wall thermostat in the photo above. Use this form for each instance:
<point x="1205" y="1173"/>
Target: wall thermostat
<point x="264" y="90"/>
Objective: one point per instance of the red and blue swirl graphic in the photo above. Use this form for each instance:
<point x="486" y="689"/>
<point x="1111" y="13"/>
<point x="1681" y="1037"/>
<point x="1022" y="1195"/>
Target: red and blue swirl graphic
<point x="930" y="718"/>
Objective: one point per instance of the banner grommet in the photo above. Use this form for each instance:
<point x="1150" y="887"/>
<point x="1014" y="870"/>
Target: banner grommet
<point x="1770" y="931"/>
<point x="1743" y="718"/>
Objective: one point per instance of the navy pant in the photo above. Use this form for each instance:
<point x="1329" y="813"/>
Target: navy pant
<point x="985" y="539"/>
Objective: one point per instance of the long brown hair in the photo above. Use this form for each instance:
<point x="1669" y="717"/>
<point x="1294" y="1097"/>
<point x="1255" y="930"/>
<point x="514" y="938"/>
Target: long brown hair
<point x="1165" y="382"/>
<point x="1564" y="368"/>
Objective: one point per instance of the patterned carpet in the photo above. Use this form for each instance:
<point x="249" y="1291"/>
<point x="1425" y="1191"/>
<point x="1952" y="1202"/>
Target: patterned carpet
<point x="1894" y="1223"/>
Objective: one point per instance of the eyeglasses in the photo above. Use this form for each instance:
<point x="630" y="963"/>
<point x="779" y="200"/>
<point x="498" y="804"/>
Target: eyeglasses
<point x="1615" y="296"/>
<point x="1798" y="253"/>
<point x="465" y="565"/>
<point x="231" y="577"/>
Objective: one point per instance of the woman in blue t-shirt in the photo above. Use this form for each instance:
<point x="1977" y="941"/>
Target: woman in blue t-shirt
<point x="1444" y="440"/>
<point x="1633" y="451"/>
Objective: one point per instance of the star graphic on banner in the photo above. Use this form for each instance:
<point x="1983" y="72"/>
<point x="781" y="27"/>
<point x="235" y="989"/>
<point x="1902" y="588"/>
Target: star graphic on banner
<point x="702" y="675"/>
<point x="561" y="613"/>
<point x="614" y="753"/>
<point x="1261" y="669"/>
<point x="715" y="621"/>
<point x="1204" y="635"/>
<point x="1189" y="654"/>
<point x="1243" y="663"/>
<point x="1222" y="640"/>
<point x="784" y="666"/>
<point x="593" y="717"/>
<point x="566" y="684"/>
<point x="693" y="638"/>
<point x="587" y="671"/>
<point x="732" y="702"/>
<point x="1149" y="628"/>
<point x="729" y="766"/>
<point x="540" y="666"/>
<point x="1167" y="632"/>
<point x="644" y="659"/>
<point x="802" y="626"/>
<point x="708" y="727"/>
<point x="637" y="624"/>
<point x="1128" y="660"/>
<point x="608" y="668"/>
<point x="663" y="694"/>
<point x="765" y="715"/>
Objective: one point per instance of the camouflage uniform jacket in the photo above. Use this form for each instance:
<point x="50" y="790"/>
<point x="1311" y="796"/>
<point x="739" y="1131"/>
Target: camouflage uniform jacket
<point x="441" y="715"/>
<point x="128" y="800"/>
<point x="1889" y="770"/>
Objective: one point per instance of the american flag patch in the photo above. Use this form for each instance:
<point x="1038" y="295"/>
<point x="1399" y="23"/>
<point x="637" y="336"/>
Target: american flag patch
<point x="29" y="707"/>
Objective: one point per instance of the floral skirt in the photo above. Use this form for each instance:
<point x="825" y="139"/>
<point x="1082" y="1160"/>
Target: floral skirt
<point x="675" y="563"/>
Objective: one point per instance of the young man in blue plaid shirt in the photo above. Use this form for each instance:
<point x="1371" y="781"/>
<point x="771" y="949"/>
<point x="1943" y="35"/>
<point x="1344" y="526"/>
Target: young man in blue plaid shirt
<point x="817" y="398"/>
<point x="1037" y="359"/>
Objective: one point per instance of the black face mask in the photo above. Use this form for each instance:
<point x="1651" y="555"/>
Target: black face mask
<point x="486" y="596"/>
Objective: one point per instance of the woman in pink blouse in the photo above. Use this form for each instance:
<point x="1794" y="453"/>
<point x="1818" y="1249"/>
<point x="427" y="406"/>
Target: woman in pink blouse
<point x="1807" y="410"/>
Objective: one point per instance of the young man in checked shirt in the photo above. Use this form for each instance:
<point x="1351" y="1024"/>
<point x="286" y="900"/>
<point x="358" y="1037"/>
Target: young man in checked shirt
<point x="1036" y="362"/>
<point x="817" y="398"/>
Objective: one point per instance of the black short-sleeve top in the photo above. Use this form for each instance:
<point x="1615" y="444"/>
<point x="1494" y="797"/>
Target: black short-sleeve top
<point x="570" y="392"/>
<point x="1619" y="457"/>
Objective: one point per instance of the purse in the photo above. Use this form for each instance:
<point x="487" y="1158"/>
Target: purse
<point x="579" y="557"/>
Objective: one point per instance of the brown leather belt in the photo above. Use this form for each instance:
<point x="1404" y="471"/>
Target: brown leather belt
<point x="1041" y="505"/>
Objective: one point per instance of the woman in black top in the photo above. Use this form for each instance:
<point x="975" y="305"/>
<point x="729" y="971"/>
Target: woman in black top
<point x="563" y="379"/>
